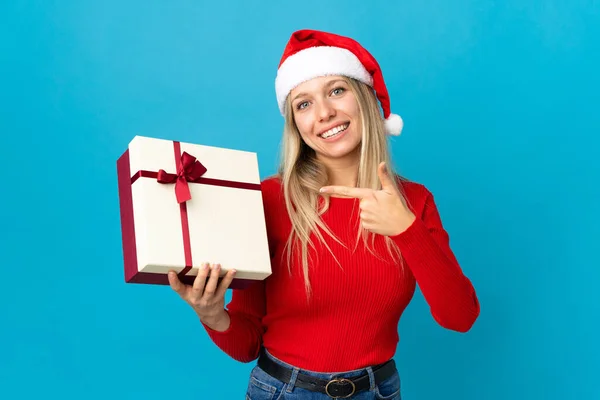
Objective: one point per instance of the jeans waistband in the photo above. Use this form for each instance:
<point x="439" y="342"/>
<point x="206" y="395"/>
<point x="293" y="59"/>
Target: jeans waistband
<point x="368" y="377"/>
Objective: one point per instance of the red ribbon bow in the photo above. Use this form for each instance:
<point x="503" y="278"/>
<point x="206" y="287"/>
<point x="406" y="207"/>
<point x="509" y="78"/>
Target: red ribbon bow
<point x="188" y="170"/>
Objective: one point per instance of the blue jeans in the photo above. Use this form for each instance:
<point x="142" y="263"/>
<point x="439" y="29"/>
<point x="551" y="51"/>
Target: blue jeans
<point x="263" y="386"/>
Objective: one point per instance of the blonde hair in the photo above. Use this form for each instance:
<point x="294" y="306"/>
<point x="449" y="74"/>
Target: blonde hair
<point x="303" y="175"/>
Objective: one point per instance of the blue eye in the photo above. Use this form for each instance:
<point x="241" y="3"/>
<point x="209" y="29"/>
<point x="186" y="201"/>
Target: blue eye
<point x="300" y="105"/>
<point x="338" y="90"/>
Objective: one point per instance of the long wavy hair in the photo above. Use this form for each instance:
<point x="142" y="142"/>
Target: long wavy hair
<point x="303" y="175"/>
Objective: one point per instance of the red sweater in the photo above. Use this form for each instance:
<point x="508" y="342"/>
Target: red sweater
<point x="352" y="319"/>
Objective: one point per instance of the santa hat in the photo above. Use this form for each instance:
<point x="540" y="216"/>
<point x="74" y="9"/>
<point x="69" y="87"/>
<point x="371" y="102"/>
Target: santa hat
<point x="310" y="54"/>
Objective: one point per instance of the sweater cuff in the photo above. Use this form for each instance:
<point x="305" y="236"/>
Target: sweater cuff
<point x="413" y="237"/>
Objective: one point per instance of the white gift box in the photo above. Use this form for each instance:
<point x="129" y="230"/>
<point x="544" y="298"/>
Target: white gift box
<point x="184" y="204"/>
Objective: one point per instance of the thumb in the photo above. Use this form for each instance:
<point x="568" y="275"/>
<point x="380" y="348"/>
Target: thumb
<point x="385" y="179"/>
<point x="175" y="283"/>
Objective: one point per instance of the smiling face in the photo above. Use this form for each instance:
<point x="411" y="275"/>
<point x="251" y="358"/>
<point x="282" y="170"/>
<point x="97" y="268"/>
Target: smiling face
<point x="327" y="115"/>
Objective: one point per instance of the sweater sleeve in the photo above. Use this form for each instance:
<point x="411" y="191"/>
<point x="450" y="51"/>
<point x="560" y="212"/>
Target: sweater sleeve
<point x="426" y="250"/>
<point x="242" y="340"/>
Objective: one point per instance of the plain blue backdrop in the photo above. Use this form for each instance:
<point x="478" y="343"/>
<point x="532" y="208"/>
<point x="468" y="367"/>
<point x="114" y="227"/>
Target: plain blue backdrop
<point x="500" y="101"/>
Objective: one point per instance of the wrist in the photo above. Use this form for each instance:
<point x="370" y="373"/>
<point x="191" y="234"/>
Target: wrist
<point x="219" y="322"/>
<point x="406" y="220"/>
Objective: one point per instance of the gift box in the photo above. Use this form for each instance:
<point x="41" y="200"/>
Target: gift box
<point x="184" y="204"/>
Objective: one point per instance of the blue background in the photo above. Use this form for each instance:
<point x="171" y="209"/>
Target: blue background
<point x="501" y="104"/>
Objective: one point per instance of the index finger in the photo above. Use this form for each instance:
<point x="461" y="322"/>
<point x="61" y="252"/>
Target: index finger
<point x="359" y="193"/>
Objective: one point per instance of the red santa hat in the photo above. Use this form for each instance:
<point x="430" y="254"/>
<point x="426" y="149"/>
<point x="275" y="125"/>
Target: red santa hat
<point x="310" y="54"/>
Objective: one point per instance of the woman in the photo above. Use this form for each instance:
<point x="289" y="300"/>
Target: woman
<point x="349" y="241"/>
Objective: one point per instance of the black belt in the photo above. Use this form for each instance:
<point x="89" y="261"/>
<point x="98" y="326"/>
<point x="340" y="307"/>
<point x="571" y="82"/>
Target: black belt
<point x="337" y="388"/>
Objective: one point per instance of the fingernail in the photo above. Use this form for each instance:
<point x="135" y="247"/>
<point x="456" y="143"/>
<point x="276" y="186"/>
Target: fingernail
<point x="323" y="190"/>
<point x="233" y="271"/>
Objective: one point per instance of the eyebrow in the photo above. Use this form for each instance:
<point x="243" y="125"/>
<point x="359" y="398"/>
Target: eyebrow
<point x="328" y="84"/>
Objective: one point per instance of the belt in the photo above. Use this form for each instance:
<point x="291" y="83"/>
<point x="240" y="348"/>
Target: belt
<point x="336" y="388"/>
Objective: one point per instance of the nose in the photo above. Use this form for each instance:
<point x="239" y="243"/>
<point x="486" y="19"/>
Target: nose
<point x="325" y="111"/>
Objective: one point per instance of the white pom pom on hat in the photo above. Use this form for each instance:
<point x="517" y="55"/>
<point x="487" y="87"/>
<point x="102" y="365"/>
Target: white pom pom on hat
<point x="393" y="124"/>
<point x="310" y="54"/>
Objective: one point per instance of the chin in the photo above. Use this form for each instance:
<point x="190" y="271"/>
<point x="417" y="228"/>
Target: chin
<point x="340" y="153"/>
<point x="346" y="147"/>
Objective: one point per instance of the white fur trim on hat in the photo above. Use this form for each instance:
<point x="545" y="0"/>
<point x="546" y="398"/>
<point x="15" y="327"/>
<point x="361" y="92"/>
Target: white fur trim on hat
<point x="314" y="62"/>
<point x="393" y="125"/>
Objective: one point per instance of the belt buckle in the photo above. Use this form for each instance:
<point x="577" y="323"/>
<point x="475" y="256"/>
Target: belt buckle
<point x="340" y="381"/>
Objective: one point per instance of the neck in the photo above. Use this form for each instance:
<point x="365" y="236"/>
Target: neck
<point x="342" y="171"/>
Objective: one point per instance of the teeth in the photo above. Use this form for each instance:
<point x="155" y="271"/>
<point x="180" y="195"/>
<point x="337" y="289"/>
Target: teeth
<point x="334" y="131"/>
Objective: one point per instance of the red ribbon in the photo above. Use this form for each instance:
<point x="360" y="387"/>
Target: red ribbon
<point x="188" y="170"/>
